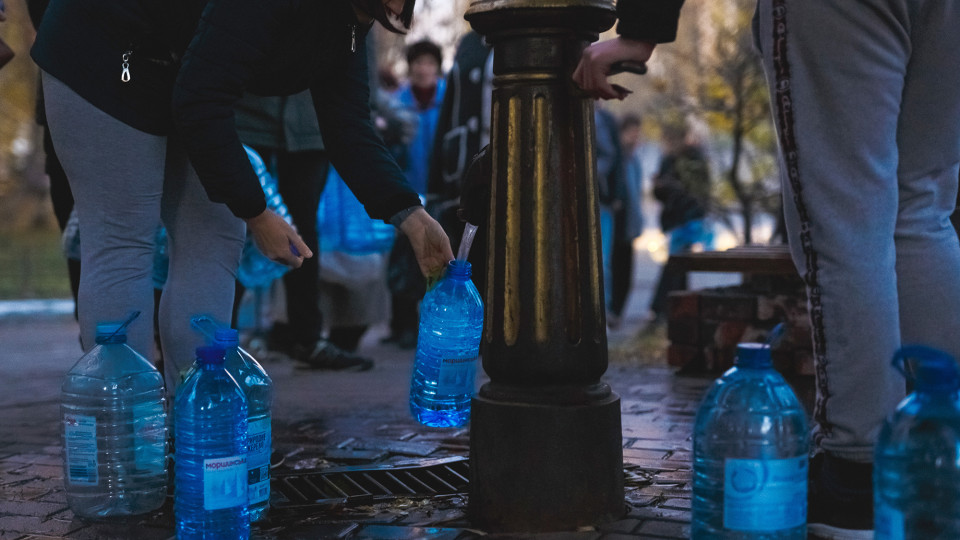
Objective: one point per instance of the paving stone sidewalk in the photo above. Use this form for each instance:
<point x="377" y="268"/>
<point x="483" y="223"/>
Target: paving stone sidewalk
<point x="324" y="419"/>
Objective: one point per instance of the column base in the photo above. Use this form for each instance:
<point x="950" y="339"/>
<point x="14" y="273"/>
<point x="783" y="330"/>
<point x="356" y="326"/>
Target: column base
<point x="542" y="467"/>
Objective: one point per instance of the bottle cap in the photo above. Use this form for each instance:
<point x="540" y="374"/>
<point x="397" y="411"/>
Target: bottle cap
<point x="753" y="355"/>
<point x="111" y="332"/>
<point x="932" y="370"/>
<point x="227" y="336"/>
<point x="210" y="354"/>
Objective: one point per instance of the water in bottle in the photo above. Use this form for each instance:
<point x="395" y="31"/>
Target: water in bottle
<point x="916" y="482"/>
<point x="258" y="388"/>
<point x="210" y="423"/>
<point x="448" y="345"/>
<point x="750" y="447"/>
<point x="114" y="430"/>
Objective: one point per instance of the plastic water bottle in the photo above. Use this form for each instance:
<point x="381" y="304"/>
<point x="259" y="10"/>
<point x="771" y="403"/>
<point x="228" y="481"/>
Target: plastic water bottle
<point x="258" y="388"/>
<point x="750" y="446"/>
<point x="114" y="430"/>
<point x="255" y="269"/>
<point x="916" y="474"/>
<point x="360" y="234"/>
<point x="448" y="345"/>
<point x="210" y="423"/>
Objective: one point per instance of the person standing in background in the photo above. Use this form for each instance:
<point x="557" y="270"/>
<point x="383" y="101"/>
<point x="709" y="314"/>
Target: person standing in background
<point x="627" y="218"/>
<point x="421" y="94"/>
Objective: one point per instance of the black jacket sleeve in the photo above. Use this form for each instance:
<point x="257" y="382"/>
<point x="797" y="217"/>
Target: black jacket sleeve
<point x="648" y="20"/>
<point x="342" y="102"/>
<point x="228" y="44"/>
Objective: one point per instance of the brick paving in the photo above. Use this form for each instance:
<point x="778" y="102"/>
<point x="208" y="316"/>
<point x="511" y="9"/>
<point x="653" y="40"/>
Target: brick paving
<point x="319" y="416"/>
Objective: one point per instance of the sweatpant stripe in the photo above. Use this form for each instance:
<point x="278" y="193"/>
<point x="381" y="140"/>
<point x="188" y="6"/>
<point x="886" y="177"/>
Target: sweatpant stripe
<point x="788" y="142"/>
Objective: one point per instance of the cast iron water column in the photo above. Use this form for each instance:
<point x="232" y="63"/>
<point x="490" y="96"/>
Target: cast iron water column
<point x="545" y="440"/>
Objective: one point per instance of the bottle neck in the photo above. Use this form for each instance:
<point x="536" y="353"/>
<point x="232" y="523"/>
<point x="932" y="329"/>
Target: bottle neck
<point x="459" y="270"/>
<point x="116" y="339"/>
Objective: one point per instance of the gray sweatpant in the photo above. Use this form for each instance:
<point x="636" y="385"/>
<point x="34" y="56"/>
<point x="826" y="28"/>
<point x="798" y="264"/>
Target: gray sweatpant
<point x="866" y="98"/>
<point x="124" y="182"/>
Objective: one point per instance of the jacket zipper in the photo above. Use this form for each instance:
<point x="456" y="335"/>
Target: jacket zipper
<point x="125" y="67"/>
<point x="353" y="38"/>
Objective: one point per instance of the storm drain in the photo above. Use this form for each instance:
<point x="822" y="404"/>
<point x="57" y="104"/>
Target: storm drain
<point x="364" y="485"/>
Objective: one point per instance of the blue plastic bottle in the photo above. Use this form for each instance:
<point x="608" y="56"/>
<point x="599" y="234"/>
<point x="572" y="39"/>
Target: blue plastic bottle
<point x="750" y="446"/>
<point x="114" y="430"/>
<point x="916" y="474"/>
<point x="448" y="345"/>
<point x="258" y="387"/>
<point x="255" y="269"/>
<point x="210" y="422"/>
<point x="360" y="234"/>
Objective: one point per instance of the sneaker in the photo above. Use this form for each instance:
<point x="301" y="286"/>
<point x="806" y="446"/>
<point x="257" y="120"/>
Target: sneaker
<point x="326" y="355"/>
<point x="840" y="499"/>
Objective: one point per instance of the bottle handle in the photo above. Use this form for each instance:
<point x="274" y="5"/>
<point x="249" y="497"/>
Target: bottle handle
<point x="206" y="325"/>
<point x="906" y="352"/>
<point x="130" y="318"/>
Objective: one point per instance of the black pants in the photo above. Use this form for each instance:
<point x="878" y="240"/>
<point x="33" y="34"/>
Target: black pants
<point x="621" y="262"/>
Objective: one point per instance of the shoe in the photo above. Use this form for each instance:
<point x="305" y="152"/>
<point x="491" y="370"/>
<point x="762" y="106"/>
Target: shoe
<point x="839" y="499"/>
<point x="326" y="355"/>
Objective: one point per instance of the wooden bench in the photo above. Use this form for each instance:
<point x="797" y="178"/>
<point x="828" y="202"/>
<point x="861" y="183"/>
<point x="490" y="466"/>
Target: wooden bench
<point x="749" y="260"/>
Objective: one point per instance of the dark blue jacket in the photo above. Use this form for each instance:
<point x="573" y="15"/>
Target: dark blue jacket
<point x="191" y="60"/>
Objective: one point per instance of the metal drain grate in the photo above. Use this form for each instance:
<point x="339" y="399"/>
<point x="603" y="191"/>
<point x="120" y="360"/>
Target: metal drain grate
<point x="364" y="485"/>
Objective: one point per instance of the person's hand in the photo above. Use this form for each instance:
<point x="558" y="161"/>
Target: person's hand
<point x="430" y="244"/>
<point x="277" y="240"/>
<point x="591" y="73"/>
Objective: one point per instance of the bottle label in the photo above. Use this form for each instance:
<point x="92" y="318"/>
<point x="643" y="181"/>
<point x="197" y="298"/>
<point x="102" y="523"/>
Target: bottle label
<point x="457" y="376"/>
<point x="765" y="494"/>
<point x="224" y="482"/>
<point x="889" y="522"/>
<point x="149" y="437"/>
<point x="80" y="436"/>
<point x="258" y="460"/>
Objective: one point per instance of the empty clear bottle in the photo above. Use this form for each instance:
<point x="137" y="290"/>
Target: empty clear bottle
<point x="210" y="423"/>
<point x="916" y="474"/>
<point x="448" y="345"/>
<point x="258" y="388"/>
<point x="750" y="446"/>
<point x="114" y="430"/>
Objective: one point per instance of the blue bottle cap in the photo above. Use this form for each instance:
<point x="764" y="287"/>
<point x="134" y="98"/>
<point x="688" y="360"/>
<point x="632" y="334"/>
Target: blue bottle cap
<point x="111" y="332"/>
<point x="753" y="355"/>
<point x="109" y="328"/>
<point x="227" y="336"/>
<point x="210" y="354"/>
<point x="932" y="370"/>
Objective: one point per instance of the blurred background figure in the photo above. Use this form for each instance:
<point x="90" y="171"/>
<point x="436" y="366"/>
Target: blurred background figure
<point x="627" y="217"/>
<point x="682" y="186"/>
<point x="609" y="179"/>
<point x="463" y="129"/>
<point x="421" y="94"/>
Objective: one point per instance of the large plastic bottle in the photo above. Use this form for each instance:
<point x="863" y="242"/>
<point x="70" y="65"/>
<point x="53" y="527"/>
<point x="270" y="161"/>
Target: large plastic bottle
<point x="258" y="387"/>
<point x="750" y="446"/>
<point x="114" y="430"/>
<point x="448" y="345"/>
<point x="916" y="475"/>
<point x="255" y="269"/>
<point x="210" y="423"/>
